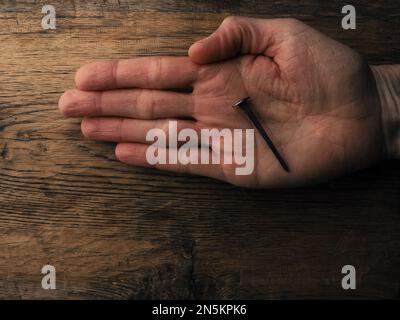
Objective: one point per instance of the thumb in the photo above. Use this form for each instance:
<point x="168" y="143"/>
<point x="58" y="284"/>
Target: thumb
<point x="236" y="35"/>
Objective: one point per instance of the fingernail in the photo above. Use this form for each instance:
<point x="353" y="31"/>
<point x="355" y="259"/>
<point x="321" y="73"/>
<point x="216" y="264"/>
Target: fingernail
<point x="88" y="127"/>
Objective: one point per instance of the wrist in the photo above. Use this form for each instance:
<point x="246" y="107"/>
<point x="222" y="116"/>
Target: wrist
<point x="387" y="78"/>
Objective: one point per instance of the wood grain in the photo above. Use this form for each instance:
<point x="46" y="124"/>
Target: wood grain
<point x="114" y="231"/>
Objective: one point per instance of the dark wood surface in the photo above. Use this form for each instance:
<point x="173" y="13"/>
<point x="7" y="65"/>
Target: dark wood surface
<point x="114" y="231"/>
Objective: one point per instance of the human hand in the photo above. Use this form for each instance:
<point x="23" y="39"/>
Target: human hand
<point x="316" y="96"/>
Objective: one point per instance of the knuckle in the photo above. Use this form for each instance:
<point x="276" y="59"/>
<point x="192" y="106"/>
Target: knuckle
<point x="137" y="101"/>
<point x="230" y="21"/>
<point x="113" y="70"/>
<point x="155" y="71"/>
<point x="145" y="105"/>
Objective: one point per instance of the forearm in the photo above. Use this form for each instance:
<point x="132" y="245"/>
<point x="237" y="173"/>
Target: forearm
<point x="387" y="79"/>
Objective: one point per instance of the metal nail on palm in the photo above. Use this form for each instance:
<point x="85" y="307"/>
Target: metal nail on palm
<point x="244" y="105"/>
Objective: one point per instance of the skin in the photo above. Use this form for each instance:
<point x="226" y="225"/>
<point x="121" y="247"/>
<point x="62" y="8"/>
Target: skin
<point x="316" y="98"/>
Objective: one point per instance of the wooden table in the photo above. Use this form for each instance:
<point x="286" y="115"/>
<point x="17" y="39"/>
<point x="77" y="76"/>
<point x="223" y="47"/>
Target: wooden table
<point x="114" y="231"/>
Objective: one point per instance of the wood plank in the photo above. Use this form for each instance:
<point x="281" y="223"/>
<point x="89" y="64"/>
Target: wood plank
<point x="114" y="231"/>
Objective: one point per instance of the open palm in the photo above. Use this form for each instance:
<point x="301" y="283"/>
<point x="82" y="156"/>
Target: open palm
<point x="315" y="97"/>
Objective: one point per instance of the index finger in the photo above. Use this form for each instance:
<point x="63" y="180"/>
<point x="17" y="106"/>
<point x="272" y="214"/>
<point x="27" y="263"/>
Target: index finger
<point x="143" y="72"/>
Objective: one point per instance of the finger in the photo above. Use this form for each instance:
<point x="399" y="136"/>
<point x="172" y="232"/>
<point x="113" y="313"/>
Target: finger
<point x="131" y="130"/>
<point x="144" y="72"/>
<point x="137" y="155"/>
<point x="241" y="35"/>
<point x="132" y="103"/>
